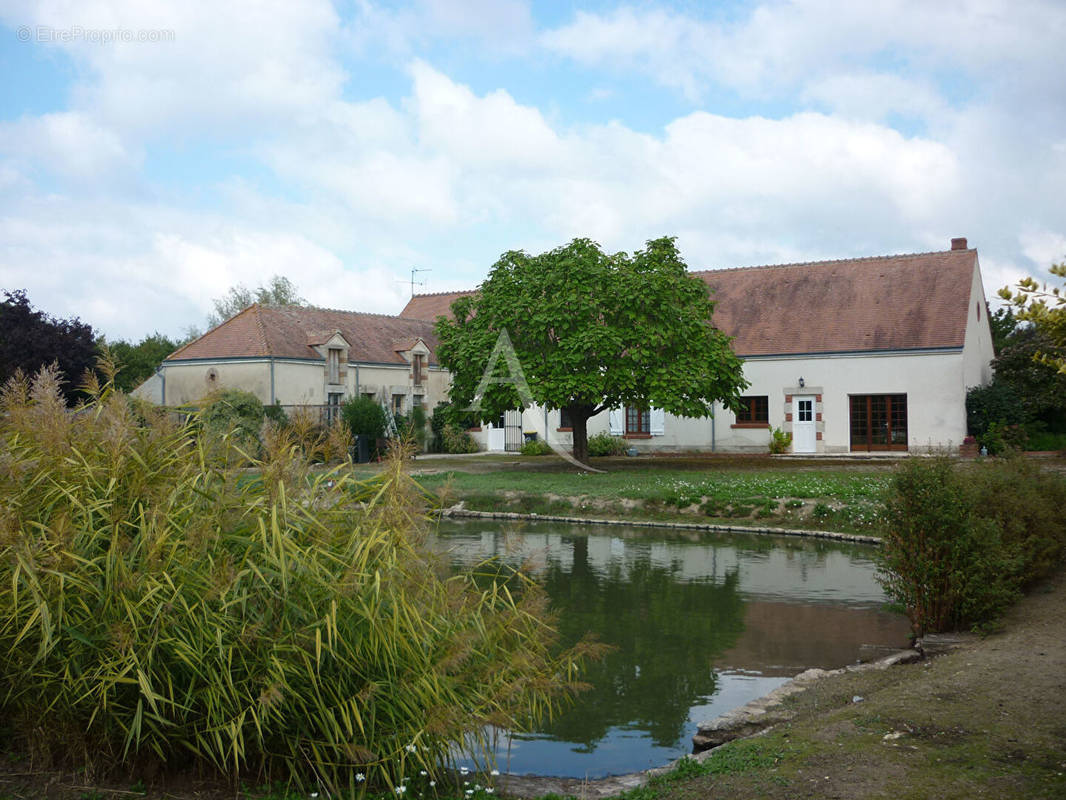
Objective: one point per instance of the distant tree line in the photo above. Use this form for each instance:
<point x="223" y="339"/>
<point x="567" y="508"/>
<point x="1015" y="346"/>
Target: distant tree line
<point x="30" y="338"/>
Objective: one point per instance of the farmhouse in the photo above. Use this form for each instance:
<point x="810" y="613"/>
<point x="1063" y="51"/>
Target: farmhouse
<point x="867" y="354"/>
<point x="299" y="356"/>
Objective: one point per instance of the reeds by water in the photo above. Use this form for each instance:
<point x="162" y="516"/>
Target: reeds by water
<point x="160" y="601"/>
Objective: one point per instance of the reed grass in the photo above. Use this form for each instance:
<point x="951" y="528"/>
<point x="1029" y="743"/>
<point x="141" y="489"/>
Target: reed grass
<point x="159" y="602"/>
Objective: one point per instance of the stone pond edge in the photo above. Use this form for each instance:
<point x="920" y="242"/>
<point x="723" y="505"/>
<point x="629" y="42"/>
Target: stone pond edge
<point x="751" y="719"/>
<point x="459" y="511"/>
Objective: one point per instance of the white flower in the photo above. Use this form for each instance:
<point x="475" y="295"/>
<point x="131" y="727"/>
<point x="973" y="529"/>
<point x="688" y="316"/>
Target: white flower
<point x="489" y="790"/>
<point x="423" y="773"/>
<point x="411" y="748"/>
<point x="432" y="784"/>
<point x="359" y="776"/>
<point x="469" y="792"/>
<point x="401" y="789"/>
<point x="314" y="794"/>
<point x="465" y="770"/>
<point x="495" y="772"/>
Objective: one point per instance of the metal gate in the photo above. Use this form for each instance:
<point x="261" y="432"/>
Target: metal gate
<point x="512" y="431"/>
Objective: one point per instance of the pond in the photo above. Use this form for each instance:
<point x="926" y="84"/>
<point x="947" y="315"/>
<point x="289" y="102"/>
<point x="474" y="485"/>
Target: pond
<point x="701" y="624"/>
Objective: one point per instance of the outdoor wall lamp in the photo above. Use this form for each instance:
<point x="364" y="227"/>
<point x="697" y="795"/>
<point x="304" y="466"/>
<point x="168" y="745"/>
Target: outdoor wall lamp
<point x="801" y="383"/>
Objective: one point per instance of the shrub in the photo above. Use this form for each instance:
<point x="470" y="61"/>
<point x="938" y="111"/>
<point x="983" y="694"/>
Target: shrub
<point x="1028" y="506"/>
<point x="958" y="548"/>
<point x="603" y="444"/>
<point x="276" y="414"/>
<point x="1046" y="440"/>
<point x="235" y="414"/>
<point x="155" y="602"/>
<point x="998" y="402"/>
<point x="536" y="447"/>
<point x="446" y="414"/>
<point x="779" y="441"/>
<point x="1000" y="438"/>
<point x="456" y="440"/>
<point x="364" y="416"/>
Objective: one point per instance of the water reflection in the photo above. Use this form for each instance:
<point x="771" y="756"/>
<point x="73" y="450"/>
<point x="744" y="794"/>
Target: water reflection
<point x="700" y="623"/>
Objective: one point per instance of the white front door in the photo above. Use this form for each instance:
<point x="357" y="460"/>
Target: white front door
<point x="803" y="435"/>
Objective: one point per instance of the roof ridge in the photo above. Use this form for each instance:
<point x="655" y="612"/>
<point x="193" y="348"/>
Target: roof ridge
<point x="260" y="329"/>
<point x="438" y="294"/>
<point x="347" y="311"/>
<point x="831" y="261"/>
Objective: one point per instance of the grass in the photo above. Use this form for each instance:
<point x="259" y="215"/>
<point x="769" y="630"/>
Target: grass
<point x="826" y="498"/>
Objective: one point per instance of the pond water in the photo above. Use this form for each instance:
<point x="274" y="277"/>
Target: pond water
<point x="702" y="623"/>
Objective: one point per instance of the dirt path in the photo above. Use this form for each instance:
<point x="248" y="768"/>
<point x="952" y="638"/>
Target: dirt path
<point x="986" y="720"/>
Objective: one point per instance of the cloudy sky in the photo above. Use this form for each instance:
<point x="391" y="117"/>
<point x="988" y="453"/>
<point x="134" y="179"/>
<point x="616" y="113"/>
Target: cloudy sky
<point x="154" y="154"/>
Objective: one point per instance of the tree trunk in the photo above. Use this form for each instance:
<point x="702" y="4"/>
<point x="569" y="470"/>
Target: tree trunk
<point x="579" y="418"/>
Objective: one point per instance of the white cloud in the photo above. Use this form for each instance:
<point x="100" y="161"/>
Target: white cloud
<point x="1044" y="248"/>
<point x="230" y="67"/>
<point x="68" y="144"/>
<point x="348" y="189"/>
<point x="875" y="96"/>
<point x="1009" y="45"/>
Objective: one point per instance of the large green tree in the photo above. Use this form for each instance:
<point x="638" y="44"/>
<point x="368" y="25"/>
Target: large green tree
<point x="1046" y="310"/>
<point x="137" y="362"/>
<point x="592" y="331"/>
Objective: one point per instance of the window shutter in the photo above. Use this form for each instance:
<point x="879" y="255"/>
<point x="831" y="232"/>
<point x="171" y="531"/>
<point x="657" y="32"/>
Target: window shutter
<point x="617" y="421"/>
<point x="658" y="422"/>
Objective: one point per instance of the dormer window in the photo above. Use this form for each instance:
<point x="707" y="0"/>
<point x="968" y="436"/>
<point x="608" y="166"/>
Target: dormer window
<point x="416" y="369"/>
<point x="333" y="359"/>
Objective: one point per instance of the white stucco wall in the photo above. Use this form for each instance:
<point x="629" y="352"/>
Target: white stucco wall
<point x="934" y="383"/>
<point x="187" y="382"/>
<point x="295" y="382"/>
<point x="977" y="350"/>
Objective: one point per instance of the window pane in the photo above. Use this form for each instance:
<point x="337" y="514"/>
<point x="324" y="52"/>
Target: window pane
<point x="754" y="408"/>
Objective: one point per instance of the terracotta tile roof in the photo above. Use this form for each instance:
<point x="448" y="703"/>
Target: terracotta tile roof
<point x="900" y="302"/>
<point x="431" y="306"/>
<point x="288" y="331"/>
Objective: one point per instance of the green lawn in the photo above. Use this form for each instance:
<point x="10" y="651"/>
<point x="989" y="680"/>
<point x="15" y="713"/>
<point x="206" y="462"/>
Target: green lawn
<point x="831" y="497"/>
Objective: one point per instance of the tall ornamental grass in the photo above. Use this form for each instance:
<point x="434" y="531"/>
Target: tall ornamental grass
<point x="157" y="604"/>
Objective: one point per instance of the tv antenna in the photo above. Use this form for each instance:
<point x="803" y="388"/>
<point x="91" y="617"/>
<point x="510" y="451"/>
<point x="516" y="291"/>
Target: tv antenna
<point x="413" y="281"/>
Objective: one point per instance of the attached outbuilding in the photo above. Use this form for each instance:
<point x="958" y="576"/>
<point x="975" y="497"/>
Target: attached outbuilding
<point x="296" y="356"/>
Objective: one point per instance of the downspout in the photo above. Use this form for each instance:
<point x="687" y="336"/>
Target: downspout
<point x="273" y="399"/>
<point x="163" y="385"/>
<point x="713" y="416"/>
<point x="356" y="380"/>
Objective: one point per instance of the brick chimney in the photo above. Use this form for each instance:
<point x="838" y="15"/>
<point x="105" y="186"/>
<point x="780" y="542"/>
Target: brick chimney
<point x="958" y="243"/>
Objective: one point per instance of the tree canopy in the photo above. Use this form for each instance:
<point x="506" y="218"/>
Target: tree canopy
<point x="593" y="331"/>
<point x="31" y="339"/>
<point x="1046" y="310"/>
<point x="137" y="362"/>
<point x="279" y="291"/>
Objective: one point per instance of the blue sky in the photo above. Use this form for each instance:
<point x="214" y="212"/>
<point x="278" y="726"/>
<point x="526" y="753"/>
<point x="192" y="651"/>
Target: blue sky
<point x="152" y="155"/>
